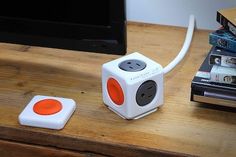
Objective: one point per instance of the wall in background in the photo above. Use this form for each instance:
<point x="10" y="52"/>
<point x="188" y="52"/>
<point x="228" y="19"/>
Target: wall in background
<point x="176" y="12"/>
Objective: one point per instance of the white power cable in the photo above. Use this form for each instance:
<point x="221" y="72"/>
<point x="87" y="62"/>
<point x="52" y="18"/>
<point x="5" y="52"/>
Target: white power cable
<point x="185" y="47"/>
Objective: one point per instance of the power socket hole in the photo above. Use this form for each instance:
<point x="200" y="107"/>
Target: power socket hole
<point x="132" y="65"/>
<point x="146" y="93"/>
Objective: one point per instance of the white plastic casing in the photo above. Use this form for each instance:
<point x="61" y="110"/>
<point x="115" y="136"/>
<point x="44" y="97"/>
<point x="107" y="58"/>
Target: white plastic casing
<point x="130" y="82"/>
<point x="55" y="121"/>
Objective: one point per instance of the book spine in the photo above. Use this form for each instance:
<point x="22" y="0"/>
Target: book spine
<point x="226" y="23"/>
<point x="223" y="75"/>
<point x="221" y="60"/>
<point x="222" y="42"/>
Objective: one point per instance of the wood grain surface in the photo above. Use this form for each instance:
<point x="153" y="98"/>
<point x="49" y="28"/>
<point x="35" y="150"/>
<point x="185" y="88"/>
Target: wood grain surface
<point x="178" y="128"/>
<point x="12" y="149"/>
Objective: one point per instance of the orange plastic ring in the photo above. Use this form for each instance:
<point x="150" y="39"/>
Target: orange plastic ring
<point x="115" y="91"/>
<point x="47" y="107"/>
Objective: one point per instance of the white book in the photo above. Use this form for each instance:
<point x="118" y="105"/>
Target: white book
<point x="221" y="74"/>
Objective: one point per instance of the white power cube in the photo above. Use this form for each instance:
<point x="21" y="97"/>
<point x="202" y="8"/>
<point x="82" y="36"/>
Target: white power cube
<point x="47" y="112"/>
<point x="132" y="86"/>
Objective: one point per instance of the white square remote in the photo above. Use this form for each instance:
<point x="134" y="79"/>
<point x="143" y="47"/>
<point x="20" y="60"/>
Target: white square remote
<point x="47" y="112"/>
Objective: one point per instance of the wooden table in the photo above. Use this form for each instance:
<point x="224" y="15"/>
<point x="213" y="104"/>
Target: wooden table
<point x="179" y="128"/>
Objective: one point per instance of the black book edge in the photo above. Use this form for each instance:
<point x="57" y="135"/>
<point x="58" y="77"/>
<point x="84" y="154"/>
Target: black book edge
<point x="217" y="52"/>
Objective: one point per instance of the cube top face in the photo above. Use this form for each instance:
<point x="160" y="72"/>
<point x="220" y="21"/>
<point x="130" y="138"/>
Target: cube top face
<point x="133" y="68"/>
<point x="47" y="112"/>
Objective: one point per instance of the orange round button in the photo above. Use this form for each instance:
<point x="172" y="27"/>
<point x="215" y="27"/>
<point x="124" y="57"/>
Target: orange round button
<point x="47" y="107"/>
<point x="115" y="91"/>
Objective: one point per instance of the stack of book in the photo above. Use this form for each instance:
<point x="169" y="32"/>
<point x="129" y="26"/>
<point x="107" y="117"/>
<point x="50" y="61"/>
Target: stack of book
<point x="215" y="82"/>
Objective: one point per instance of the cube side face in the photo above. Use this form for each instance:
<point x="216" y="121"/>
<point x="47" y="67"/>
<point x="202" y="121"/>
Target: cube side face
<point x="159" y="99"/>
<point x="115" y="104"/>
<point x="134" y="109"/>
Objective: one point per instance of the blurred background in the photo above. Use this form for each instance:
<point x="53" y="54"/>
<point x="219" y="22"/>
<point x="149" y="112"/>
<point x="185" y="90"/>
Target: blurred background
<point x="176" y="12"/>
